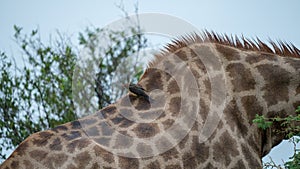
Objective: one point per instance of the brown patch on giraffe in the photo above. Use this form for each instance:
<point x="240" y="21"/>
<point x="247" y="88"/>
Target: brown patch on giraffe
<point x="225" y="149"/>
<point x="117" y="119"/>
<point x="162" y="115"/>
<point x="204" y="109"/>
<point x="71" y="136"/>
<point x="234" y="118"/>
<point x="45" y="134"/>
<point x="228" y="52"/>
<point x="278" y="113"/>
<point x="78" y="144"/>
<point x="128" y="163"/>
<point x="250" y="159"/>
<point x="124" y="132"/>
<point x="242" y="78"/>
<point x="168" y="123"/>
<point x="207" y="85"/>
<point x="220" y="125"/>
<point x="15" y="164"/>
<point x="71" y="166"/>
<point x="200" y="150"/>
<point x="189" y="160"/>
<point x="75" y="124"/>
<point x="93" y="131"/>
<point x="28" y="164"/>
<point x="103" y="141"/>
<point x="200" y="66"/>
<point x="60" y="128"/>
<point x="183" y="142"/>
<point x="109" y="110"/>
<point x="96" y="166"/>
<point x="145" y="130"/>
<point x="195" y="73"/>
<point x="56" y="145"/>
<point x="82" y="159"/>
<point x="123" y="142"/>
<point x="191" y="52"/>
<point x="173" y="166"/>
<point x="275" y="89"/>
<point x="55" y="160"/>
<point x="298" y="89"/>
<point x="38" y="155"/>
<point x="250" y="58"/>
<point x="182" y="54"/>
<point x="42" y="138"/>
<point x="139" y="103"/>
<point x="105" y="155"/>
<point x="154" y="76"/>
<point x="144" y="149"/>
<point x="126" y="123"/>
<point x="210" y="166"/>
<point x="167" y="76"/>
<point x="252" y="107"/>
<point x="105" y="128"/>
<point x="153" y="165"/>
<point x="239" y="164"/>
<point x="174" y="106"/>
<point x="173" y="87"/>
<point x="170" y="154"/>
<point x="106" y="168"/>
<point x="296" y="104"/>
<point x="195" y="126"/>
<point x="22" y="148"/>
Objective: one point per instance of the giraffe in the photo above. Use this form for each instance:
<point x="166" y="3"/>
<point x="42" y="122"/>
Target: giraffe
<point x="135" y="132"/>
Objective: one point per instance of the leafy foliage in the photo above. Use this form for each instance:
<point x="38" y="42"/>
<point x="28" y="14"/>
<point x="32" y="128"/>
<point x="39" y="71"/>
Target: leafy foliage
<point x="291" y="130"/>
<point x="298" y="109"/>
<point x="36" y="94"/>
<point x="262" y="122"/>
<point x="32" y="94"/>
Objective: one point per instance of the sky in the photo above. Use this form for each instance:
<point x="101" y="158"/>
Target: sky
<point x="267" y="19"/>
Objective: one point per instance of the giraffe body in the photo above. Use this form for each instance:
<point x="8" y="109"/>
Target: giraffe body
<point x="257" y="81"/>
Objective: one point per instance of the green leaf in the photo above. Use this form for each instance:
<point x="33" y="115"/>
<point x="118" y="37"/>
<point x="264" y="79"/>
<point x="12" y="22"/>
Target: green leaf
<point x="298" y="109"/>
<point x="261" y="122"/>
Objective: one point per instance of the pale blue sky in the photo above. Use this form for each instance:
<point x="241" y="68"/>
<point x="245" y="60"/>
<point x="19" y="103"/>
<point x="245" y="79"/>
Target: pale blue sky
<point x="275" y="19"/>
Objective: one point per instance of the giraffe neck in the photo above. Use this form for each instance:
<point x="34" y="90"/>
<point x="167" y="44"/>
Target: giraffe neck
<point x="279" y="93"/>
<point x="265" y="84"/>
<point x="256" y="83"/>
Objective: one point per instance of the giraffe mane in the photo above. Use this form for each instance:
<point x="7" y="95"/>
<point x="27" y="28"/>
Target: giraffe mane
<point x="280" y="48"/>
